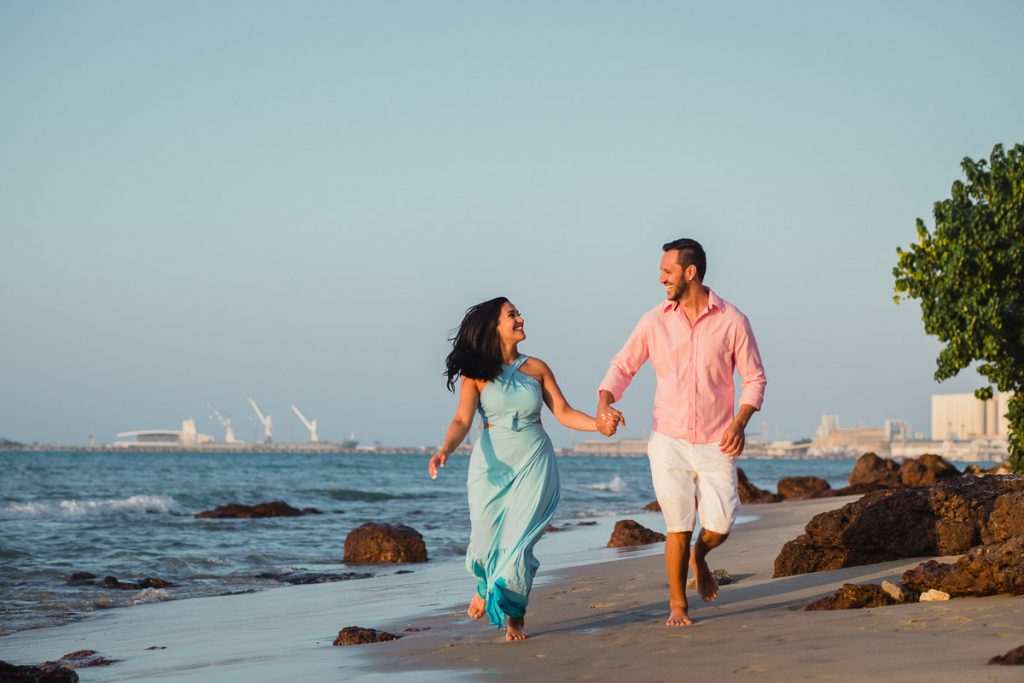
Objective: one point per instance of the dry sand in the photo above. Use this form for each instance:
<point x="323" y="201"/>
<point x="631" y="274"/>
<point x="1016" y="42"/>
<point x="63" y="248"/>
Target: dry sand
<point x="605" y="622"/>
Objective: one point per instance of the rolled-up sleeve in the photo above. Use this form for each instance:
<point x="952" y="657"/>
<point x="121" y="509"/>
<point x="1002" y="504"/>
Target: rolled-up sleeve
<point x="749" y="366"/>
<point x="627" y="362"/>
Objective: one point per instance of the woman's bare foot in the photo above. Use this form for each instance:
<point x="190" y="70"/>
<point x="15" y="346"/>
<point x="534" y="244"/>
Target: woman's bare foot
<point x="677" y="616"/>
<point x="477" y="607"/>
<point x="514" y="629"/>
<point x="707" y="585"/>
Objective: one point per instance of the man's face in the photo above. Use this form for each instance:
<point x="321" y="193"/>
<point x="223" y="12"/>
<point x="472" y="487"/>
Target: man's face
<point x="672" y="275"/>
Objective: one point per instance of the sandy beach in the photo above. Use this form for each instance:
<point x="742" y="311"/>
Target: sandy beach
<point x="597" y="622"/>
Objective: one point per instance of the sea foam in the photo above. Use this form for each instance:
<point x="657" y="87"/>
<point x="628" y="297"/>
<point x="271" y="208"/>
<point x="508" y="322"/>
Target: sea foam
<point x="616" y="485"/>
<point x="133" y="505"/>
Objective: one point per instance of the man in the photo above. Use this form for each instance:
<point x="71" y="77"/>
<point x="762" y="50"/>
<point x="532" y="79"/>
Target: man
<point x="695" y="342"/>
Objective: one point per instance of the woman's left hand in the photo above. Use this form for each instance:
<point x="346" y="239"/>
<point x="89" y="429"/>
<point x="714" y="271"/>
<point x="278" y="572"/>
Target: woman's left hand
<point x="439" y="459"/>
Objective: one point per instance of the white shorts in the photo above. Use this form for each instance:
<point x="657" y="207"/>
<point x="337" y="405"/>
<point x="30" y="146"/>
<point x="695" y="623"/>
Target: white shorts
<point x="683" y="472"/>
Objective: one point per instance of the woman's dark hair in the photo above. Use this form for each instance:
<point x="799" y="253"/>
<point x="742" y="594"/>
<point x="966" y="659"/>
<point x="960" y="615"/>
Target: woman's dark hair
<point x="476" y="349"/>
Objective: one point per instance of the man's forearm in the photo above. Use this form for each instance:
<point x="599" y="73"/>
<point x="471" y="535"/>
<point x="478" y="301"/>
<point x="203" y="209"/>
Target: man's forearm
<point x="745" y="413"/>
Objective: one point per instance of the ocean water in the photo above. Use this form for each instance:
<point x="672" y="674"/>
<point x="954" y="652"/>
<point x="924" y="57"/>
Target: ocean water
<point x="131" y="515"/>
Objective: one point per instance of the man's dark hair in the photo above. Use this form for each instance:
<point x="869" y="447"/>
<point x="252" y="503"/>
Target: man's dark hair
<point x="690" y="253"/>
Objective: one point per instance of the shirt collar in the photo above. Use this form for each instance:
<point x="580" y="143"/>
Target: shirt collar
<point x="713" y="302"/>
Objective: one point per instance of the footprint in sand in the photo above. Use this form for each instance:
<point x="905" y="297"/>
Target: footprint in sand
<point x="600" y="605"/>
<point x="750" y="669"/>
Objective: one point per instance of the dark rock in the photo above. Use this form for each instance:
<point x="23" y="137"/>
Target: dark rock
<point x="926" y="470"/>
<point x="304" y="578"/>
<point x="629" y="533"/>
<point x="552" y="527"/>
<point x="857" y="489"/>
<point x="653" y="506"/>
<point x="750" y="493"/>
<point x="113" y="582"/>
<point x="1014" y="657"/>
<point x="153" y="582"/>
<point x="82" y="579"/>
<point x="384" y="544"/>
<point x="47" y="673"/>
<point x="157" y="647"/>
<point x="82" y="659"/>
<point x="985" y="570"/>
<point x="586" y="523"/>
<point x="974" y="469"/>
<point x="416" y="629"/>
<point x="311" y="511"/>
<point x="277" y="508"/>
<point x="356" y="635"/>
<point x="1006" y="520"/>
<point x="875" y="472"/>
<point x="798" y="488"/>
<point x="853" y="596"/>
<point x="946" y="519"/>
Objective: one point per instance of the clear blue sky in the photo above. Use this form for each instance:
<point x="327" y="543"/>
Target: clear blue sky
<point x="204" y="201"/>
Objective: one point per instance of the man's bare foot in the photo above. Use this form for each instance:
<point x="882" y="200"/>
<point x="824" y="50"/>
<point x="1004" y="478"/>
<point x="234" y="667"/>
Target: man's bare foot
<point x="477" y="607"/>
<point x="707" y="585"/>
<point x="514" y="629"/>
<point x="677" y="616"/>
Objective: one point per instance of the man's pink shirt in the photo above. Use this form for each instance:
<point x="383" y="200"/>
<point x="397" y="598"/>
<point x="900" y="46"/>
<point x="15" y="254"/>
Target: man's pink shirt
<point x="694" y="366"/>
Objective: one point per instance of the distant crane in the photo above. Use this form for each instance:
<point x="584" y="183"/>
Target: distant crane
<point x="310" y="424"/>
<point x="264" y="420"/>
<point x="225" y="421"/>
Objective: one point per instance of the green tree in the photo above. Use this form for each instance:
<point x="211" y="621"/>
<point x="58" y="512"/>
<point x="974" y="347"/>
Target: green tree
<point x="968" y="275"/>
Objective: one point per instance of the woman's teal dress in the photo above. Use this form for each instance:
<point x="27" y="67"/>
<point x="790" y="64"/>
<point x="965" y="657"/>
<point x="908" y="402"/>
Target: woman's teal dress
<point x="513" y="491"/>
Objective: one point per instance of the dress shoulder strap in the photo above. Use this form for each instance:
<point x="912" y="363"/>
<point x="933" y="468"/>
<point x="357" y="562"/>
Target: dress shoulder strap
<point x="519" y="362"/>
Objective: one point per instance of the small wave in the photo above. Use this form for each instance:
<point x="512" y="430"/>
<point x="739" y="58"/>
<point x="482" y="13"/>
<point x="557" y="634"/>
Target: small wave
<point x="151" y="595"/>
<point x="616" y="485"/>
<point x="357" y="495"/>
<point x="133" y="505"/>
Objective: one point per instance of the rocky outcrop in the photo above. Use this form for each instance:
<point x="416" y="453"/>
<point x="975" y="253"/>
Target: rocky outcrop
<point x="148" y="582"/>
<point x="799" y="488"/>
<point x="303" y="578"/>
<point x="854" y="596"/>
<point x="276" y="508"/>
<point x="374" y="543"/>
<point x="985" y="570"/>
<point x="82" y="579"/>
<point x="1014" y="657"/>
<point x="629" y="533"/>
<point x="1006" y="520"/>
<point x="653" y="506"/>
<point x="926" y="470"/>
<point x="749" y="493"/>
<point x="47" y="673"/>
<point x="82" y="659"/>
<point x="357" y="635"/>
<point x="946" y="519"/>
<point x="874" y="472"/>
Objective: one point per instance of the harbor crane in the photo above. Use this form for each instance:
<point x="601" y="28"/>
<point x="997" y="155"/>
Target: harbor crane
<point x="264" y="420"/>
<point x="310" y="424"/>
<point x="225" y="421"/>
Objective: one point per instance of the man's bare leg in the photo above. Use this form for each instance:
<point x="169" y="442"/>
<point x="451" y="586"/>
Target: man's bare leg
<point x="677" y="555"/>
<point x="514" y="629"/>
<point x="477" y="607"/>
<point x="707" y="541"/>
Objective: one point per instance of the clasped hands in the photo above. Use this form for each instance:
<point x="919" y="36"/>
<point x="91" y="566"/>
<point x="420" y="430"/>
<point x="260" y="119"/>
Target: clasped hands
<point x="608" y="420"/>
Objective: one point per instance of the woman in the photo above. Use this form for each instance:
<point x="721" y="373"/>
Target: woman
<point x="513" y="480"/>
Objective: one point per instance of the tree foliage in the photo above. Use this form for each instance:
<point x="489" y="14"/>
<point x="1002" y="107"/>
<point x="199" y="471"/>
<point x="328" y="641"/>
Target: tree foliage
<point x="968" y="274"/>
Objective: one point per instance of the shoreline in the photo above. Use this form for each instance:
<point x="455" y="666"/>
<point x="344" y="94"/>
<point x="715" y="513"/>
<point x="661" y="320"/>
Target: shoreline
<point x="602" y="620"/>
<point x="605" y="622"/>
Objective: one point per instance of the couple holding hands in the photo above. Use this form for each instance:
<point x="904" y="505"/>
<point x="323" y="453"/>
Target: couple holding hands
<point x="695" y="342"/>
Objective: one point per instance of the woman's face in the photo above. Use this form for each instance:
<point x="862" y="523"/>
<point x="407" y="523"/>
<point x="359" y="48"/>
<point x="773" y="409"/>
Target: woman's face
<point x="510" y="325"/>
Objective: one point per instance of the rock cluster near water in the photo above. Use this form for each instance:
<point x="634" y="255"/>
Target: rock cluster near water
<point x="1013" y="657"/>
<point x="276" y="508"/>
<point x="47" y="673"/>
<point x="948" y="518"/>
<point x="854" y="596"/>
<point x="87" y="579"/>
<point x="628" y="532"/>
<point x="374" y="543"/>
<point x="750" y="493"/>
<point x="357" y="635"/>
